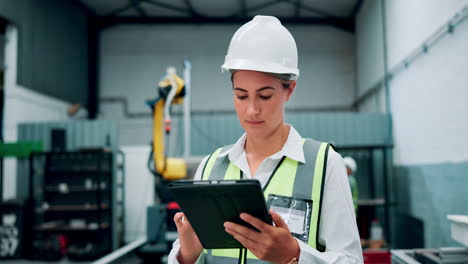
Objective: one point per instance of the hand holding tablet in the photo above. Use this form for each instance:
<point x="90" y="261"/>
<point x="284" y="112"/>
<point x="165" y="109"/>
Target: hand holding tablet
<point x="209" y="204"/>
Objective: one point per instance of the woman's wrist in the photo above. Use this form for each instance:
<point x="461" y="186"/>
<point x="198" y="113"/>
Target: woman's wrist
<point x="294" y="258"/>
<point x="187" y="258"/>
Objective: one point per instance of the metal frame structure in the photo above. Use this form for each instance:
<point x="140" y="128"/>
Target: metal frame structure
<point x="387" y="202"/>
<point x="190" y="15"/>
<point x="110" y="169"/>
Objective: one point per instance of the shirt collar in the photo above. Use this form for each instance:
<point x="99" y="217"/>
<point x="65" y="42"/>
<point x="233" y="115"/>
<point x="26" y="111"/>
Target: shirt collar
<point x="293" y="148"/>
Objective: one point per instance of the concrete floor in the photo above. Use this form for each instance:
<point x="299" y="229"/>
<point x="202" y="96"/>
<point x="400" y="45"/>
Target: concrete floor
<point x="22" y="261"/>
<point x="132" y="260"/>
<point x="127" y="260"/>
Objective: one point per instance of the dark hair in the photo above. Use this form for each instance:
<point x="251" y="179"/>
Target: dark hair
<point x="284" y="78"/>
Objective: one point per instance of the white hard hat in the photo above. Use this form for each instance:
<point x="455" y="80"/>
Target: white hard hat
<point x="350" y="163"/>
<point x="263" y="44"/>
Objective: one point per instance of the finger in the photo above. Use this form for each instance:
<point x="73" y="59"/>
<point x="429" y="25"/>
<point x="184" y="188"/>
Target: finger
<point x="247" y="242"/>
<point x="246" y="231"/>
<point x="179" y="217"/>
<point x="257" y="223"/>
<point x="178" y="220"/>
<point x="278" y="220"/>
<point x="240" y="229"/>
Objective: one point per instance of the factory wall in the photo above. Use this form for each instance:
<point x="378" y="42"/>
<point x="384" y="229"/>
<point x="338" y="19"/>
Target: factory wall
<point x="22" y="105"/>
<point x="427" y="101"/>
<point x="139" y="191"/>
<point x="52" y="47"/>
<point x="134" y="58"/>
<point x="369" y="47"/>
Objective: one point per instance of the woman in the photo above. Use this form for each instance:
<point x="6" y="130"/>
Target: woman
<point x="304" y="181"/>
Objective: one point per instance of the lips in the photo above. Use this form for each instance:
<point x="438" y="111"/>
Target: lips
<point x="254" y="122"/>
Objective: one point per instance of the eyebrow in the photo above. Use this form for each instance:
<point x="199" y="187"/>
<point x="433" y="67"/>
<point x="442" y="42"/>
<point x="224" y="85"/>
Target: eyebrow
<point x="258" y="90"/>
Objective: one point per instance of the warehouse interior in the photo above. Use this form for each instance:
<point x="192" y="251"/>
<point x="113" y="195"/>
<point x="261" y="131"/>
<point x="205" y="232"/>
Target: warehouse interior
<point x="384" y="81"/>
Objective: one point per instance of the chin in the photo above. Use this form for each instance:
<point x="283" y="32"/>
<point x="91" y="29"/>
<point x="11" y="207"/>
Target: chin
<point x="256" y="131"/>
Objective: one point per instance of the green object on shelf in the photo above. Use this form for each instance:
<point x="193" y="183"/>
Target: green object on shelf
<point x="20" y="149"/>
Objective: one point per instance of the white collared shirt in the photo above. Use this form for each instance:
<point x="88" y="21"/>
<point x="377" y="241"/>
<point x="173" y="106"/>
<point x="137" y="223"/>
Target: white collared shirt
<point x="338" y="229"/>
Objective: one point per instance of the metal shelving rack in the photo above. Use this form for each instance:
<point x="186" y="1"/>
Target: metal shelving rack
<point x="78" y="195"/>
<point x="377" y="199"/>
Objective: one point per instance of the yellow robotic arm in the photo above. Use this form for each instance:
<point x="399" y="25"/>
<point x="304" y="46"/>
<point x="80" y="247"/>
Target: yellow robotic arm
<point x="171" y="91"/>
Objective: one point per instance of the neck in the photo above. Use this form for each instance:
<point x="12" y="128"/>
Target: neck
<point x="268" y="145"/>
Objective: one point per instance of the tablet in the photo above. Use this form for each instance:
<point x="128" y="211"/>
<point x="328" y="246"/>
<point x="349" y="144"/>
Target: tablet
<point x="208" y="204"/>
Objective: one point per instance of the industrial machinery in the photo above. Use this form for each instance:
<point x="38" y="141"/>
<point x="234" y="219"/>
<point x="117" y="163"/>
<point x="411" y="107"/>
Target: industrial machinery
<point x="161" y="232"/>
<point x="451" y="255"/>
<point x="171" y="91"/>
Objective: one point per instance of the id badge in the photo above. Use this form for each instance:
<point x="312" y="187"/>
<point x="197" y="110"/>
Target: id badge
<point x="296" y="213"/>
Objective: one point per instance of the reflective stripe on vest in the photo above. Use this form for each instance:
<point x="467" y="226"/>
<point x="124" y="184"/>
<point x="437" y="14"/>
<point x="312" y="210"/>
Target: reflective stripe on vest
<point x="290" y="178"/>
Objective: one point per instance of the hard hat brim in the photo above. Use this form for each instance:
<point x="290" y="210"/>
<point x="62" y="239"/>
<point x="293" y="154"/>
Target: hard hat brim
<point x="245" y="64"/>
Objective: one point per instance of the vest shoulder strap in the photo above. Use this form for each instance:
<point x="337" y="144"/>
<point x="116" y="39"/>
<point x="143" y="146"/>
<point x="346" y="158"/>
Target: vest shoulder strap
<point x="210" y="162"/>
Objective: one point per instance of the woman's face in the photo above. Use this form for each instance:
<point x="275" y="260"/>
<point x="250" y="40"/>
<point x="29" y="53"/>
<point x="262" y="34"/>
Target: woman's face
<point x="259" y="101"/>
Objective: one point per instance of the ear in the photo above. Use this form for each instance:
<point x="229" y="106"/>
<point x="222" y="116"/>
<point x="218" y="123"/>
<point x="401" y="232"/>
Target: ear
<point x="292" y="86"/>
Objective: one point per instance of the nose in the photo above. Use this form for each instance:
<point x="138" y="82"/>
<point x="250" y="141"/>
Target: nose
<point x="253" y="108"/>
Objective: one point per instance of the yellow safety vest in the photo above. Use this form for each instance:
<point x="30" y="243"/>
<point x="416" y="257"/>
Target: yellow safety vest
<point x="291" y="180"/>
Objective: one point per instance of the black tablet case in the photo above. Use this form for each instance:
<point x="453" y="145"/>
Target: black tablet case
<point x="208" y="204"/>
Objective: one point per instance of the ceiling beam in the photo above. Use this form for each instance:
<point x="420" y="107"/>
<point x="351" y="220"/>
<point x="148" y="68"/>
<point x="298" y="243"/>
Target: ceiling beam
<point x="356" y="8"/>
<point x="112" y="21"/>
<point x="83" y="7"/>
<point x="3" y="25"/>
<point x="138" y="8"/>
<point x="189" y="5"/>
<point x="343" y="23"/>
<point x="243" y="9"/>
<point x="240" y="17"/>
<point x="172" y="7"/>
<point x="315" y="10"/>
<point x="120" y="10"/>
<point x="297" y="9"/>
<point x="263" y="5"/>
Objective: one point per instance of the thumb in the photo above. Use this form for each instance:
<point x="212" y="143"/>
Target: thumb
<point x="278" y="220"/>
<point x="178" y="220"/>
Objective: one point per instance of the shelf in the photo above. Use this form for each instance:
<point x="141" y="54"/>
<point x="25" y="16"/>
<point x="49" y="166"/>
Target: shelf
<point x="371" y="202"/>
<point x="70" y="208"/>
<point x="73" y="189"/>
<point x="75" y="194"/>
<point x="78" y="170"/>
<point x="65" y="228"/>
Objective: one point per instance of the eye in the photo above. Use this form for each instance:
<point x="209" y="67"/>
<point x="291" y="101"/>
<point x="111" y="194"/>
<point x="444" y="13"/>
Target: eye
<point x="265" y="97"/>
<point x="242" y="97"/>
